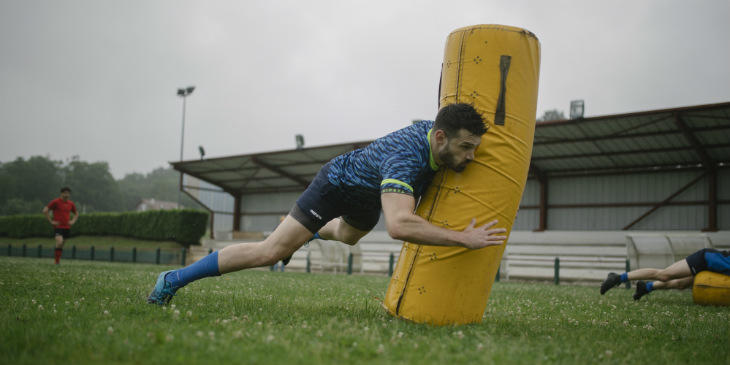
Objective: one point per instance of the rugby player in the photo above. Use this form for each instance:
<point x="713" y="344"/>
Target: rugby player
<point x="344" y="200"/>
<point x="62" y="208"/>
<point x="679" y="275"/>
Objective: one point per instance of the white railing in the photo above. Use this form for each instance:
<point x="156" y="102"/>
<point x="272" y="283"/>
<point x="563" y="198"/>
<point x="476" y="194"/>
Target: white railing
<point x="582" y="255"/>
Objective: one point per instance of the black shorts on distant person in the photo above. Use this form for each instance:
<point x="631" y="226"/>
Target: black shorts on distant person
<point x="698" y="261"/>
<point x="322" y="202"/>
<point x="63" y="232"/>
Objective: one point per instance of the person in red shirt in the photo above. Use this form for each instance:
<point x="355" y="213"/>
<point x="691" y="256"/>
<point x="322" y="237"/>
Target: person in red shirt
<point x="61" y="208"/>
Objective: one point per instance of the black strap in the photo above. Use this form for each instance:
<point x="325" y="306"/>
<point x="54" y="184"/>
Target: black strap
<point x="504" y="62"/>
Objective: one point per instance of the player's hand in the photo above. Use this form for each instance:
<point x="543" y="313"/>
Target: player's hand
<point x="71" y="223"/>
<point x="55" y="223"/>
<point x="478" y="237"/>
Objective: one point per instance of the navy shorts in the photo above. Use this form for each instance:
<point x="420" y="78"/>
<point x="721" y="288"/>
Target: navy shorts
<point x="709" y="259"/>
<point x="323" y="201"/>
<point x="63" y="232"/>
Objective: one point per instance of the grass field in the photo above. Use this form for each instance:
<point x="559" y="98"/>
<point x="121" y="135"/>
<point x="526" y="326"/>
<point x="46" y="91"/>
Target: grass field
<point x="92" y="312"/>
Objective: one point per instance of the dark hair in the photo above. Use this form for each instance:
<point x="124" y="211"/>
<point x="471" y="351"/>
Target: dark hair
<point x="65" y="188"/>
<point x="454" y="117"/>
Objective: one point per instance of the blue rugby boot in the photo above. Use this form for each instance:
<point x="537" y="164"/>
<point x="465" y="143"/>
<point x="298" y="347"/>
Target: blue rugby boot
<point x="163" y="291"/>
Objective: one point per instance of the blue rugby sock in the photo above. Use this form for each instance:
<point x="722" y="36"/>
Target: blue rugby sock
<point x="316" y="237"/>
<point x="624" y="277"/>
<point x="649" y="286"/>
<point x="203" y="268"/>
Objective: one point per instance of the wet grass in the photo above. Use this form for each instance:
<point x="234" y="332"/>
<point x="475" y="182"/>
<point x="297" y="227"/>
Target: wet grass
<point x="92" y="312"/>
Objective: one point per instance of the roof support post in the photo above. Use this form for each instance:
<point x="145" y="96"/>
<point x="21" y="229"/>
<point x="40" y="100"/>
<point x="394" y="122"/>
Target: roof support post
<point x="195" y="199"/>
<point x="212" y="225"/>
<point x="237" y="212"/>
<point x="210" y="211"/>
<point x="543" y="205"/>
<point x="709" y="166"/>
<point x="712" y="201"/>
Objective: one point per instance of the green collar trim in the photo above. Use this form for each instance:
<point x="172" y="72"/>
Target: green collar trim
<point x="431" y="161"/>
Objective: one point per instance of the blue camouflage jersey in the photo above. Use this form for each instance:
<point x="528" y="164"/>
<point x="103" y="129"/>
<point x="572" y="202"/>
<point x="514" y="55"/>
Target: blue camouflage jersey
<point x="399" y="162"/>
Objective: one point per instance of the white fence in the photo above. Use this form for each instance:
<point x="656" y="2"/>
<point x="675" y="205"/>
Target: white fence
<point x="372" y="255"/>
<point x="582" y="255"/>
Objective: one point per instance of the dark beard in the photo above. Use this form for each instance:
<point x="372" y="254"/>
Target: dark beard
<point x="448" y="160"/>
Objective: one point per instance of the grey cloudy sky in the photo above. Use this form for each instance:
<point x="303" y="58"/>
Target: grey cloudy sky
<point x="98" y="78"/>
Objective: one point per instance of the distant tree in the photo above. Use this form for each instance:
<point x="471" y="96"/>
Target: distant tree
<point x="553" y="114"/>
<point x="25" y="184"/>
<point x="36" y="178"/>
<point x="93" y="185"/>
<point x="19" y="206"/>
<point x="132" y="188"/>
<point x="161" y="184"/>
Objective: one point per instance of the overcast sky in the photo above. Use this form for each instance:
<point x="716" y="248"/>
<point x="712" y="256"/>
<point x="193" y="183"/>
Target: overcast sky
<point x="98" y="79"/>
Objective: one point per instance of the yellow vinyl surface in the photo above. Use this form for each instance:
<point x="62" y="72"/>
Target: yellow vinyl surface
<point x="711" y="288"/>
<point x="485" y="66"/>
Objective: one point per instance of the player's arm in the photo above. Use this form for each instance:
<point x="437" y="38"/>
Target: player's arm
<point x="46" y="211"/>
<point x="404" y="225"/>
<point x="76" y="215"/>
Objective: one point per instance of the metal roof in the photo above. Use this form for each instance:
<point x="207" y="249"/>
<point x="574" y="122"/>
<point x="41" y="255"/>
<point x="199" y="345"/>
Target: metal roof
<point x="681" y="138"/>
<point x="279" y="171"/>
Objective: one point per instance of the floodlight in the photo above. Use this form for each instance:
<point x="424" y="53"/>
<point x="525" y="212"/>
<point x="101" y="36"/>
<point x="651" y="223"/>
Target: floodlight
<point x="577" y="108"/>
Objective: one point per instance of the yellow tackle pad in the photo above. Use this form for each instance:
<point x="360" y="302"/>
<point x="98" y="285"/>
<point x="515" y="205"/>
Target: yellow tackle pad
<point x="495" y="68"/>
<point x="711" y="288"/>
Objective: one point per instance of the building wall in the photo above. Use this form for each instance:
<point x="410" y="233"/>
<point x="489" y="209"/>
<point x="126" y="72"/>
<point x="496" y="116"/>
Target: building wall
<point x="212" y="196"/>
<point x="217" y="200"/>
<point x="634" y="188"/>
<point x="528" y="219"/>
<point x="262" y="212"/>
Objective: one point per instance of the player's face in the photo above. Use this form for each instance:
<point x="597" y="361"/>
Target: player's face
<point x="459" y="150"/>
<point x="65" y="195"/>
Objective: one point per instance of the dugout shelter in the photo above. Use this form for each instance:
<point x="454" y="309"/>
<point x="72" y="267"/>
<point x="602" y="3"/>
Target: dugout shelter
<point x="666" y="169"/>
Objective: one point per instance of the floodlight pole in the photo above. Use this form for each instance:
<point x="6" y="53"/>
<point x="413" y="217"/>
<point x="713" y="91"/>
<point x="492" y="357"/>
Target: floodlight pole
<point x="183" y="93"/>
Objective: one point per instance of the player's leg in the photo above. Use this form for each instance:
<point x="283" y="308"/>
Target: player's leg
<point x="60" y="235"/>
<point x="286" y="238"/>
<point x="315" y="207"/>
<point x="336" y="230"/>
<point x="356" y="221"/>
<point x="678" y="269"/>
<point x="681" y="283"/>
<point x="339" y="230"/>
<point x="676" y="275"/>
<point x="644" y="287"/>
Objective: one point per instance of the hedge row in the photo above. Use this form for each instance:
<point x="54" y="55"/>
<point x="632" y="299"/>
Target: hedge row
<point x="183" y="226"/>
